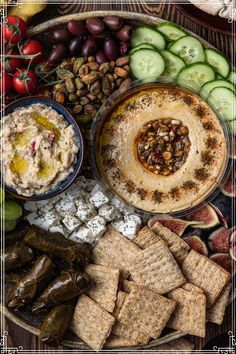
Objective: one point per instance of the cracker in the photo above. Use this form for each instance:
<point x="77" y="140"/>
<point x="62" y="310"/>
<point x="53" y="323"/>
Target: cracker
<point x="119" y="303"/>
<point x="119" y="342"/>
<point x="157" y="270"/>
<point x="190" y="312"/>
<point x="206" y="274"/>
<point x="179" y="253"/>
<point x="128" y="285"/>
<point x="193" y="288"/>
<point x="91" y="322"/>
<point x="216" y="313"/>
<point x="124" y="330"/>
<point x="115" y="250"/>
<point x="145" y="238"/>
<point x="106" y="284"/>
<point x="145" y="311"/>
<point x="180" y="346"/>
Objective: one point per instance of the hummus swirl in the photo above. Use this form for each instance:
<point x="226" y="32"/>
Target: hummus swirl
<point x="39" y="149"/>
<point x="189" y="185"/>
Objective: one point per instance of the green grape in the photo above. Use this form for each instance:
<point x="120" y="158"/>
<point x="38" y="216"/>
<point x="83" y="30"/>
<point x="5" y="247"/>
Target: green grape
<point x="10" y="225"/>
<point x="13" y="210"/>
<point x="2" y="195"/>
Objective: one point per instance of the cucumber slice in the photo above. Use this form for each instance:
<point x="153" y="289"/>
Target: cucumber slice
<point x="219" y="77"/>
<point x="232" y="125"/>
<point x="189" y="49"/>
<point x="218" y="61"/>
<point x="173" y="64"/>
<point x="209" y="86"/>
<point x="169" y="45"/>
<point x="195" y="75"/>
<point x="146" y="62"/>
<point x="171" y="31"/>
<point x="142" y="46"/>
<point x="148" y="35"/>
<point x="224" y="100"/>
<point x="232" y="77"/>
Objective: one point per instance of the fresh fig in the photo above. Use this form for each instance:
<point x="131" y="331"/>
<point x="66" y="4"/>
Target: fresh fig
<point x="223" y="259"/>
<point x="229" y="186"/>
<point x="178" y="226"/>
<point x="232" y="250"/>
<point x="196" y="243"/>
<point x="218" y="240"/>
<point x="207" y="215"/>
<point x="222" y="206"/>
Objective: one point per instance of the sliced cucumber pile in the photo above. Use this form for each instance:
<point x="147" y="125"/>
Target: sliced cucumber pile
<point x="148" y="35"/>
<point x="218" y="61"/>
<point x="195" y="75"/>
<point x="209" y="86"/>
<point x="232" y="77"/>
<point x="171" y="31"/>
<point x="224" y="100"/>
<point x="189" y="49"/>
<point x="173" y="64"/>
<point x="147" y="62"/>
<point x="141" y="46"/>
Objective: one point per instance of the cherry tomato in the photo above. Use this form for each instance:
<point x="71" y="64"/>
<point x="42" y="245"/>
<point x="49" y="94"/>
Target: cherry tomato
<point x="25" y="82"/>
<point x="12" y="64"/>
<point x="32" y="47"/>
<point x="5" y="83"/>
<point x="15" y="29"/>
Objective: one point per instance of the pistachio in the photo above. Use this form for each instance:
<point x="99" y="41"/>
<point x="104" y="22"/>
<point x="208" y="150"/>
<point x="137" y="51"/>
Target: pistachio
<point x="78" y="83"/>
<point x="90" y="110"/>
<point x="122" y="61"/>
<point x="77" y="65"/>
<point x="119" y="81"/>
<point x="84" y="100"/>
<point x="60" y="97"/>
<point x="70" y="86"/>
<point x="95" y="87"/>
<point x="91" y="59"/>
<point x="72" y="97"/>
<point x="127" y="68"/>
<point x="120" y="72"/>
<point x="104" y="68"/>
<point x="125" y="83"/>
<point x="106" y="86"/>
<point x="81" y="92"/>
<point x="83" y="70"/>
<point x="93" y="66"/>
<point x="90" y="78"/>
<point x="110" y="77"/>
<point x="91" y="97"/>
<point x="83" y="119"/>
<point x="77" y="109"/>
<point x="115" y="76"/>
<point x="63" y="74"/>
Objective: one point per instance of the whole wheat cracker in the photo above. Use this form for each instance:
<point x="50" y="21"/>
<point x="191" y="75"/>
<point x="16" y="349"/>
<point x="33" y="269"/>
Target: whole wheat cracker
<point x="216" y="313"/>
<point x="145" y="238"/>
<point x="119" y="303"/>
<point x="124" y="330"/>
<point x="191" y="287"/>
<point x="128" y="285"/>
<point x="114" y="341"/>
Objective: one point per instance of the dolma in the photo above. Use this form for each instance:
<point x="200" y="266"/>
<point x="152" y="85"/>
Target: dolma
<point x="16" y="255"/>
<point x="63" y="288"/>
<point x="55" y="324"/>
<point x="16" y="236"/>
<point x="76" y="254"/>
<point x="27" y="288"/>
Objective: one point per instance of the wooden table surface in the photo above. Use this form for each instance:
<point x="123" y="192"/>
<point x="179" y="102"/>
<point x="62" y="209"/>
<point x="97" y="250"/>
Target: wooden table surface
<point x="19" y="337"/>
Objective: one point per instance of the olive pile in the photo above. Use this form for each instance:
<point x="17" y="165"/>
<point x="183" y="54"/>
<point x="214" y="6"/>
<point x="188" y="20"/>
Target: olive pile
<point x="106" y="39"/>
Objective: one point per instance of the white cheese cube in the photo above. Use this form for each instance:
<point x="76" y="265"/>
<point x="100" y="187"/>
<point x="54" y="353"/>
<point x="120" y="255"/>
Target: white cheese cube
<point x="119" y="225"/>
<point x="75" y="193"/>
<point x="71" y="222"/>
<point x="32" y="217"/>
<point x="98" y="199"/>
<point x="49" y="219"/>
<point x="85" y="211"/>
<point x="58" y="197"/>
<point x="30" y="206"/>
<point x="81" y="182"/>
<point x="59" y="228"/>
<point x="83" y="234"/>
<point x="97" y="225"/>
<point x="133" y="217"/>
<point x="65" y="205"/>
<point x="132" y="224"/>
<point x="108" y="212"/>
<point x="43" y="221"/>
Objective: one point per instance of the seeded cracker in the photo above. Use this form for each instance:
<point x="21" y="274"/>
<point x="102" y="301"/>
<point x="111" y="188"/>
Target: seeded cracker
<point x="91" y="322"/>
<point x="216" y="313"/>
<point x="114" y="250"/>
<point x="145" y="311"/>
<point x="145" y="238"/>
<point x="106" y="284"/>
<point x="190" y="312"/>
<point x="157" y="270"/>
<point x="206" y="274"/>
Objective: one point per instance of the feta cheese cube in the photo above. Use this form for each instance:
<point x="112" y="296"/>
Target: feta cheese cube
<point x="119" y="225"/>
<point x="132" y="224"/>
<point x="97" y="225"/>
<point x="81" y="182"/>
<point x="43" y="221"/>
<point x="65" y="205"/>
<point x="98" y="199"/>
<point x="30" y="206"/>
<point x="59" y="228"/>
<point x="85" y="211"/>
<point x="108" y="212"/>
<point x="31" y="218"/>
<point x="75" y="193"/>
<point x="83" y="234"/>
<point x="71" y="222"/>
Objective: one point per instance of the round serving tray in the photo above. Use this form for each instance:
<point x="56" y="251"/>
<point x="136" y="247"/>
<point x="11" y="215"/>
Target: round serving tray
<point x="43" y="30"/>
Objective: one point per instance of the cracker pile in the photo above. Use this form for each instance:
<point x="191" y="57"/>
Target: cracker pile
<point x="145" y="285"/>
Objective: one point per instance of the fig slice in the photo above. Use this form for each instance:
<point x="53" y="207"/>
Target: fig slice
<point x="224" y="260"/>
<point x="206" y="215"/>
<point x="178" y="226"/>
<point x="218" y="240"/>
<point x="232" y="249"/>
<point x="196" y="243"/>
<point x="229" y="186"/>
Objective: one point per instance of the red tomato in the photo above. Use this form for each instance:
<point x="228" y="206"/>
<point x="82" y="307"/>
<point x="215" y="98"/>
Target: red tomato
<point x="32" y="47"/>
<point x="5" y="83"/>
<point x="14" y="29"/>
<point x="25" y="82"/>
<point x="12" y="64"/>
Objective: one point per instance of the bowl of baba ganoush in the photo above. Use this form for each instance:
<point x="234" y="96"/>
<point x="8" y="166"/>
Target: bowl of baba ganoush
<point x="159" y="148"/>
<point x="42" y="148"/>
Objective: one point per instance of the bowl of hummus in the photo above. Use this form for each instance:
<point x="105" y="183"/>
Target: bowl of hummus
<point x="42" y="148"/>
<point x="160" y="148"/>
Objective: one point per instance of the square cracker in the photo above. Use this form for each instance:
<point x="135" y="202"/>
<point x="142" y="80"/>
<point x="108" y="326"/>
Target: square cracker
<point x="146" y="311"/>
<point x="119" y="342"/>
<point x="156" y="269"/>
<point x="216" y="313"/>
<point x="106" y="284"/>
<point x="180" y="346"/>
<point x="124" y="330"/>
<point x="115" y="250"/>
<point x="145" y="238"/>
<point x="128" y="285"/>
<point x="91" y="322"/>
<point x="193" y="288"/>
<point x="190" y="312"/>
<point x="119" y="303"/>
<point x="206" y="274"/>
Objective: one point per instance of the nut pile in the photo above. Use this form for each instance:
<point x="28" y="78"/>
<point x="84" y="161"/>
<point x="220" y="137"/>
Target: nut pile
<point x="87" y="84"/>
<point x="163" y="146"/>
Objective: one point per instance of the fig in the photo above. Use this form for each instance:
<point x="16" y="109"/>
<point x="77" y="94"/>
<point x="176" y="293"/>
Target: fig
<point x="223" y="259"/>
<point x="205" y="214"/>
<point x="232" y="250"/>
<point x="229" y="186"/>
<point x="218" y="240"/>
<point x="224" y="219"/>
<point x="196" y="243"/>
<point x="232" y="152"/>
